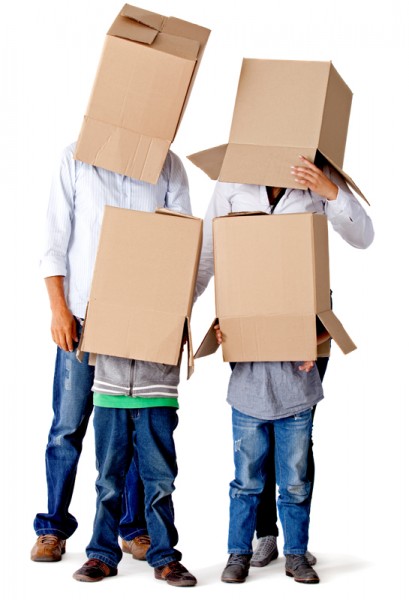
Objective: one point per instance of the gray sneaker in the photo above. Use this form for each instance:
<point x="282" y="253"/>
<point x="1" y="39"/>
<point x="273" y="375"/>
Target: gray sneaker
<point x="266" y="551"/>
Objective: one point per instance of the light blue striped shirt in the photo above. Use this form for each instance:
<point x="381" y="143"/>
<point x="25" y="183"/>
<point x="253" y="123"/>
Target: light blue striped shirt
<point x="78" y="195"/>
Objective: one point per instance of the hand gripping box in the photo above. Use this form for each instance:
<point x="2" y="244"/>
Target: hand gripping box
<point x="142" y="288"/>
<point x="271" y="285"/>
<point x="145" y="75"/>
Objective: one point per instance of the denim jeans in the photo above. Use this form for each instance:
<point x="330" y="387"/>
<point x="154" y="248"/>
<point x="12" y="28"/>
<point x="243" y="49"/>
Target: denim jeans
<point x="266" y="523"/>
<point x="72" y="407"/>
<point x="252" y="438"/>
<point x="118" y="433"/>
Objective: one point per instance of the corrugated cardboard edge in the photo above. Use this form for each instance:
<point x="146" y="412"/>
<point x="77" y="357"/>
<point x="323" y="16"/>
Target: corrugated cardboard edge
<point x="336" y="331"/>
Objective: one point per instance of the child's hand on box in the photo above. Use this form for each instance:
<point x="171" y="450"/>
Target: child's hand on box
<point x="306" y="366"/>
<point x="218" y="334"/>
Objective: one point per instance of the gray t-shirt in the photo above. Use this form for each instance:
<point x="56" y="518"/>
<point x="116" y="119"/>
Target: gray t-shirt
<point x="273" y="390"/>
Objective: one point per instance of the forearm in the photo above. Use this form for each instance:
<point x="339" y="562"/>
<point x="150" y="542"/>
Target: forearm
<point x="56" y="294"/>
<point x="63" y="327"/>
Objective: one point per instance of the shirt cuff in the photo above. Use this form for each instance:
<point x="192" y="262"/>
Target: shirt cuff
<point x="338" y="206"/>
<point x="51" y="267"/>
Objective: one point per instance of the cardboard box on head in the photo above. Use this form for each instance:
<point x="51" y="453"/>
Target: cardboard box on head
<point x="283" y="109"/>
<point x="141" y="89"/>
<point x="271" y="283"/>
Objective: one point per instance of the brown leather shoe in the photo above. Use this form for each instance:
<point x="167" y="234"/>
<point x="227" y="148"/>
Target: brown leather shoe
<point x="94" y="570"/>
<point x="48" y="548"/>
<point x="138" y="547"/>
<point x="175" y="574"/>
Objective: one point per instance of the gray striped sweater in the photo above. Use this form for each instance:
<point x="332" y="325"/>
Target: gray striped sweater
<point x="126" y="377"/>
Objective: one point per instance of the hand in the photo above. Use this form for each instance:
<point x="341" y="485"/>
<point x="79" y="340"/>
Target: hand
<point x="64" y="329"/>
<point x="63" y="325"/>
<point x="218" y="334"/>
<point x="306" y="366"/>
<point x="314" y="179"/>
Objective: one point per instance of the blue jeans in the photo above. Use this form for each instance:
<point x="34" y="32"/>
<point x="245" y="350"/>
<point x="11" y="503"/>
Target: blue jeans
<point x="72" y="407"/>
<point x="119" y="432"/>
<point x="251" y="447"/>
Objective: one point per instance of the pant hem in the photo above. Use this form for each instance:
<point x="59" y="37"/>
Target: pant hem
<point x="128" y="537"/>
<point x="60" y="534"/>
<point x="103" y="558"/>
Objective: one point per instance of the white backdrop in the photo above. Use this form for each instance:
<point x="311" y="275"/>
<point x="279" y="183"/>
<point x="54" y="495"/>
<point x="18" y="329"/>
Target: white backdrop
<point x="49" y="51"/>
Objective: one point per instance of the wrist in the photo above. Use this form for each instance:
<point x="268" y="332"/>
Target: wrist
<point x="332" y="192"/>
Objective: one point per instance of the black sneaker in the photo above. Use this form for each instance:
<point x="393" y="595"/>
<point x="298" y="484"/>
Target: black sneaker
<point x="237" y="568"/>
<point x="297" y="566"/>
<point x="94" y="570"/>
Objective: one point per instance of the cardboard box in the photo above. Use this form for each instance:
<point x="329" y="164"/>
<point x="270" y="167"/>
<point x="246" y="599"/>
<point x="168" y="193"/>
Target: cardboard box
<point x="141" y="89"/>
<point x="143" y="284"/>
<point x="283" y="109"/>
<point x="271" y="283"/>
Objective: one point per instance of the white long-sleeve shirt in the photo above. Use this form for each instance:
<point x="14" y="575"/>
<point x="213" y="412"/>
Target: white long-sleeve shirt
<point x="79" y="193"/>
<point x="345" y="213"/>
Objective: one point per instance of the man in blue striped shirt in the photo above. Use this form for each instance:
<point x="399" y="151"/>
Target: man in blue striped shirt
<point x="78" y="196"/>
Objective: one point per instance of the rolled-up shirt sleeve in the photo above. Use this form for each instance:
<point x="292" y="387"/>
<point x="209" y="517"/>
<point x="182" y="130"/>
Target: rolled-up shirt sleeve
<point x="59" y="218"/>
<point x="347" y="216"/>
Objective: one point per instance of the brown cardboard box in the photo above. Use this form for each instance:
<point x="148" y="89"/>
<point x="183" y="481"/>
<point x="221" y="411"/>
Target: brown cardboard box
<point x="143" y="284"/>
<point x="283" y="109"/>
<point x="271" y="282"/>
<point x="141" y="89"/>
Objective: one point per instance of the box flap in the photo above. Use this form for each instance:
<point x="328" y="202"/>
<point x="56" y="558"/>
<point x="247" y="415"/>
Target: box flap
<point x="174" y="213"/>
<point x="246" y="163"/>
<point x="146" y="17"/>
<point x="137" y="25"/>
<point x="336" y="331"/>
<point x="187" y="335"/>
<point x="210" y="160"/>
<point x="209" y="343"/>
<point x="263" y="165"/>
<point x="345" y="176"/>
<point x="177" y="46"/>
<point x="126" y="152"/>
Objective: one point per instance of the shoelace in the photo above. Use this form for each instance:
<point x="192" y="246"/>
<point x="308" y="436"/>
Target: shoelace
<point x="238" y="559"/>
<point x="48" y="539"/>
<point x="300" y="561"/>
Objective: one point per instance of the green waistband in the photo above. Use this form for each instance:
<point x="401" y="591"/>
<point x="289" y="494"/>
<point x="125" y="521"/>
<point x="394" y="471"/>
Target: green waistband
<point x="108" y="401"/>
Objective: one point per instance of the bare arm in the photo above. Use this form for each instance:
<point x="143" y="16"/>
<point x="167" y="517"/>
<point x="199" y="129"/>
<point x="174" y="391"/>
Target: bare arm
<point x="63" y="326"/>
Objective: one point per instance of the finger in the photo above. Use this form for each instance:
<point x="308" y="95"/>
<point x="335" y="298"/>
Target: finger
<point x="310" y="164"/>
